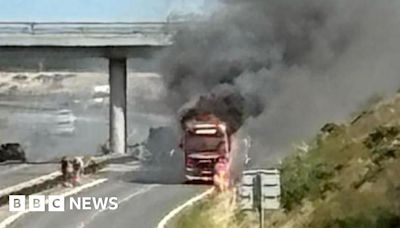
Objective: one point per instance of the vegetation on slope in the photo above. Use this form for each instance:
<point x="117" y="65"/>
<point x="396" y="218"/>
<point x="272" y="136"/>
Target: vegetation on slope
<point x="219" y="210"/>
<point x="347" y="177"/>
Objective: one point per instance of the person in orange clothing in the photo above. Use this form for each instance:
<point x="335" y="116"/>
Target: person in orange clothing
<point x="77" y="165"/>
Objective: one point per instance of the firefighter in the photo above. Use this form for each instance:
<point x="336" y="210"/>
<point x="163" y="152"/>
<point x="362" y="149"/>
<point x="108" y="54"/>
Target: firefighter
<point x="221" y="174"/>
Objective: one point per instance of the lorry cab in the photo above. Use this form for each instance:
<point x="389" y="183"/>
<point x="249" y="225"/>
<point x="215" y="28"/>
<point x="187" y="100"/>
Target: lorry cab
<point x="204" y="144"/>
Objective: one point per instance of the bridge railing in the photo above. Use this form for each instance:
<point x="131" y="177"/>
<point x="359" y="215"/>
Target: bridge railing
<point x="93" y="28"/>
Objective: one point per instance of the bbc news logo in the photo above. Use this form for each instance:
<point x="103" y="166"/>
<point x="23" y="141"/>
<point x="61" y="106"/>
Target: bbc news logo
<point x="22" y="203"/>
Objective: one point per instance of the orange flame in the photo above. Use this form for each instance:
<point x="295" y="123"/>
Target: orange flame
<point x="221" y="176"/>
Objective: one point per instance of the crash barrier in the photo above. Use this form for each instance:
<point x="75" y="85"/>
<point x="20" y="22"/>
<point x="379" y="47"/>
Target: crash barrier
<point x="49" y="181"/>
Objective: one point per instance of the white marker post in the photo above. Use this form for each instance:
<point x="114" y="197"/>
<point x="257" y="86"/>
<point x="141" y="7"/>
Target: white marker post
<point x="258" y="202"/>
<point x="260" y="190"/>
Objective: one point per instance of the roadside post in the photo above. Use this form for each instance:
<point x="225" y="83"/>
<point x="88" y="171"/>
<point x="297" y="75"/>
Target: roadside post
<point x="258" y="202"/>
<point x="260" y="190"/>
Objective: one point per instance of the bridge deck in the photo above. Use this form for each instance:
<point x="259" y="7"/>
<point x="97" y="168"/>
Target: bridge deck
<point x="85" y="34"/>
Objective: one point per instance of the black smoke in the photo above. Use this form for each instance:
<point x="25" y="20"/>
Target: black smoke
<point x="291" y="65"/>
<point x="224" y="102"/>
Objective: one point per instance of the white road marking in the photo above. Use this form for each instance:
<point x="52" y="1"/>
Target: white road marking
<point x="9" y="220"/>
<point x="97" y="213"/>
<point x="143" y="190"/>
<point x="163" y="223"/>
<point x="50" y="176"/>
<point x="121" y="167"/>
<point x="84" y="187"/>
<point x="38" y="180"/>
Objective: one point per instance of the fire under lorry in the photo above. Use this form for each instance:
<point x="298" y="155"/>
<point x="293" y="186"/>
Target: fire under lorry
<point x="206" y="143"/>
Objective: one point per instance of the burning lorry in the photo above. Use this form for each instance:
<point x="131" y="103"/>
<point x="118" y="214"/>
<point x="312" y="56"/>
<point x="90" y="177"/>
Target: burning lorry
<point x="206" y="143"/>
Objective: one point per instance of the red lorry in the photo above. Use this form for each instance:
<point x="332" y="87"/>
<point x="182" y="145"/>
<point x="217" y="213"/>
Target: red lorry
<point x="206" y="141"/>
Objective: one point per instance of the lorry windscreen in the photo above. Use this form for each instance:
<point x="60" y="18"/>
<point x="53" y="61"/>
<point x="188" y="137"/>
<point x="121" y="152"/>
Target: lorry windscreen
<point x="203" y="143"/>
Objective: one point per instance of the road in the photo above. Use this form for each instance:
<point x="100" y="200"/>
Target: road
<point x="142" y="202"/>
<point x="34" y="129"/>
<point x="12" y="174"/>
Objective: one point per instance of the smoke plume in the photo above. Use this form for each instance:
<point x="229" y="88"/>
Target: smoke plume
<point x="293" y="64"/>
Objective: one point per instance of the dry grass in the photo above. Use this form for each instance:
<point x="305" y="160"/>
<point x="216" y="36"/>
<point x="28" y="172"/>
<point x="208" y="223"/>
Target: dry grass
<point x="360" y="184"/>
<point x="219" y="211"/>
<point x="347" y="178"/>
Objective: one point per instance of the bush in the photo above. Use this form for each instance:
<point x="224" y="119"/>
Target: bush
<point x="303" y="177"/>
<point x="381" y="135"/>
<point x="376" y="219"/>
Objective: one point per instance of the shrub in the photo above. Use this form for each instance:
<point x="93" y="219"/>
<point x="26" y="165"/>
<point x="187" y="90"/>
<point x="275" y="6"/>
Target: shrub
<point x="377" y="218"/>
<point x="302" y="177"/>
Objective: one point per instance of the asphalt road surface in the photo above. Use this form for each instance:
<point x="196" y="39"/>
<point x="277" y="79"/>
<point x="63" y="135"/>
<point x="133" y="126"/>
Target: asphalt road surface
<point x="12" y="174"/>
<point x="143" y="202"/>
<point x="38" y="130"/>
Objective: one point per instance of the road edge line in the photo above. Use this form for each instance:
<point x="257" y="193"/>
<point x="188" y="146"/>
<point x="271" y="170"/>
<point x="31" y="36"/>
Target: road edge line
<point x="163" y="223"/>
<point x="11" y="219"/>
<point x="38" y="180"/>
<point x="130" y="196"/>
<point x="94" y="165"/>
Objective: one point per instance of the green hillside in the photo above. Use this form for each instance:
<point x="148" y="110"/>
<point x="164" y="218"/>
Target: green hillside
<point x="348" y="176"/>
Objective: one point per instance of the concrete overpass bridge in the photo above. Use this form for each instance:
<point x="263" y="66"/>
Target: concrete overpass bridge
<point x="114" y="41"/>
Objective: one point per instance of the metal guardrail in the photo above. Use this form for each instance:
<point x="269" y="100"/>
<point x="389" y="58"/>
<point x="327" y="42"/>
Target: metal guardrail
<point x="86" y="28"/>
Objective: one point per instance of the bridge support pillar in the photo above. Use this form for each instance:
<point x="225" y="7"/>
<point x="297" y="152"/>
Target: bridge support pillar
<point x="117" y="80"/>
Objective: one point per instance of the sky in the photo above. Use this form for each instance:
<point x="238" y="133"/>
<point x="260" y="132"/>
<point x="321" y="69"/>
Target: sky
<point x="97" y="10"/>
